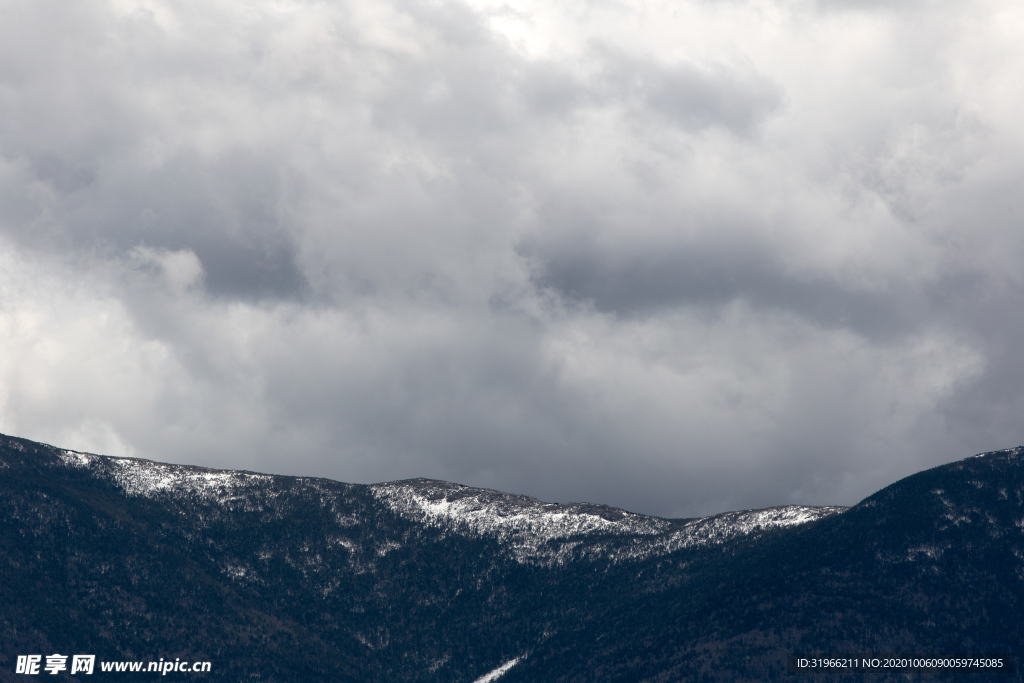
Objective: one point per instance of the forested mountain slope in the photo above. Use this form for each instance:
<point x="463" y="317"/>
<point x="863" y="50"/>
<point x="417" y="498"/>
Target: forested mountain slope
<point x="295" y="579"/>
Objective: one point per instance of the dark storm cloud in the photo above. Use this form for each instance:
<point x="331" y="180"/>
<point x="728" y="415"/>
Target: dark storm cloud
<point x="675" y="258"/>
<point x="646" y="281"/>
<point x="227" y="211"/>
<point x="81" y="144"/>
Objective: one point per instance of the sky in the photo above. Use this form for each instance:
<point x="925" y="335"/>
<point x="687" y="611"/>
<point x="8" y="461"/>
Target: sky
<point x="679" y="257"/>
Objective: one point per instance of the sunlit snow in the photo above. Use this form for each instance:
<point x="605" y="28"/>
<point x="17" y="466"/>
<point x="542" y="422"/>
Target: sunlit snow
<point x="146" y="478"/>
<point x="497" y="673"/>
<point x="534" y="531"/>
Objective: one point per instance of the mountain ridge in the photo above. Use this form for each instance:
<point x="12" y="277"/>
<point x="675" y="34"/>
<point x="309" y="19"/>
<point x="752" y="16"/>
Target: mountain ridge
<point x="283" y="578"/>
<point x="526" y="523"/>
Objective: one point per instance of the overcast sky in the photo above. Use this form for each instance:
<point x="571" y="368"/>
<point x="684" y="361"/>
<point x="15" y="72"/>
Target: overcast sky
<point x="679" y="257"/>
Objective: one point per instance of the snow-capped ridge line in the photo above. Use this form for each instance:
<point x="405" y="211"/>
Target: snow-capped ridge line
<point x="531" y="530"/>
<point x="528" y="530"/>
<point x="1014" y="452"/>
<point x="141" y="477"/>
<point x="534" y="531"/>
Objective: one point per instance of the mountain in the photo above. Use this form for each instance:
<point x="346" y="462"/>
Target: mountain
<point x="276" y="578"/>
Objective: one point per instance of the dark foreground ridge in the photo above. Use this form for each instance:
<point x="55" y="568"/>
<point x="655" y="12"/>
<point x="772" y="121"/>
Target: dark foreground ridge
<point x="276" y="578"/>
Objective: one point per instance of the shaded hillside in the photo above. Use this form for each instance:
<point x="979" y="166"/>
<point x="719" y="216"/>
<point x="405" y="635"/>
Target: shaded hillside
<point x="932" y="564"/>
<point x="294" y="579"/>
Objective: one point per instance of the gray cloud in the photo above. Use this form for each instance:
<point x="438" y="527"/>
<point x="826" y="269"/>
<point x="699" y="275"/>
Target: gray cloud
<point x="674" y="259"/>
<point x="689" y="96"/>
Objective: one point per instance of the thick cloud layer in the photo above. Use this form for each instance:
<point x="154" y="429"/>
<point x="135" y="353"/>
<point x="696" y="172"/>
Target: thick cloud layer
<point x="677" y="257"/>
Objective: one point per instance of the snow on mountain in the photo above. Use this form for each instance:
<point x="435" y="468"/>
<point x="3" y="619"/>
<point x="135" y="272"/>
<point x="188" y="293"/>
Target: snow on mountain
<point x="531" y="531"/>
<point x="146" y="478"/>
<point x="534" y="531"/>
<point x="1015" y="452"/>
<point x="492" y="676"/>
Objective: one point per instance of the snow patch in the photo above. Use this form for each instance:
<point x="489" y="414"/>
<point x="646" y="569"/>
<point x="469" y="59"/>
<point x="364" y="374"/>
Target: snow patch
<point x="386" y="547"/>
<point x="933" y="552"/>
<point x="236" y="571"/>
<point x="497" y="673"/>
<point x="76" y="459"/>
<point x="144" y="478"/>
